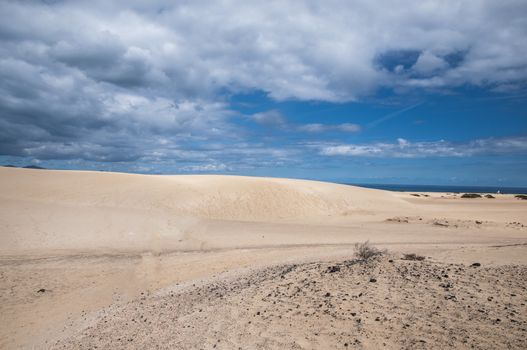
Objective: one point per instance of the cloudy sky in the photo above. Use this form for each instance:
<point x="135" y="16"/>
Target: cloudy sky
<point x="424" y="92"/>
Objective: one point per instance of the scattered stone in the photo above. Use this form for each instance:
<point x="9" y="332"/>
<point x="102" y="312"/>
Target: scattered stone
<point x="333" y="269"/>
<point x="413" y="256"/>
<point x="373" y="280"/>
<point x="450" y="297"/>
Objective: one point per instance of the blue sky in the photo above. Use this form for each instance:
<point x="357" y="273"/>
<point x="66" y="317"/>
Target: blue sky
<point x="354" y="91"/>
<point x="457" y="117"/>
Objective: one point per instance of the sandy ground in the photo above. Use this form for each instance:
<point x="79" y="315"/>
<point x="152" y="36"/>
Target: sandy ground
<point x="382" y="303"/>
<point x="84" y="253"/>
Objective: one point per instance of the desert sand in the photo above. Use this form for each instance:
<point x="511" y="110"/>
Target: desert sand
<point x="109" y="260"/>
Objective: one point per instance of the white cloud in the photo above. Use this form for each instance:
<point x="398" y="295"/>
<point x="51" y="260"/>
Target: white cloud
<point x="205" y="168"/>
<point x="319" y="128"/>
<point x="275" y="119"/>
<point x="349" y="127"/>
<point x="406" y="149"/>
<point x="325" y="52"/>
<point x="428" y="63"/>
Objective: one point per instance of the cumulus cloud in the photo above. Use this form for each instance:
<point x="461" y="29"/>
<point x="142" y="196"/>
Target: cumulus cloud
<point x="428" y="63"/>
<point x="107" y="81"/>
<point x="325" y="52"/>
<point x="406" y="149"/>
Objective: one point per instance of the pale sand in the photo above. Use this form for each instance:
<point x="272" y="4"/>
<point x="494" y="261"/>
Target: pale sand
<point x="96" y="241"/>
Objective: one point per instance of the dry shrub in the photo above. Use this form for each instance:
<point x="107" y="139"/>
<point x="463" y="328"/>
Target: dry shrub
<point x="471" y="195"/>
<point x="365" y="251"/>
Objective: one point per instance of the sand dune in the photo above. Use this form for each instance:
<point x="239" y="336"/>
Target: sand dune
<point x="92" y="210"/>
<point x="80" y="252"/>
<point x="205" y="196"/>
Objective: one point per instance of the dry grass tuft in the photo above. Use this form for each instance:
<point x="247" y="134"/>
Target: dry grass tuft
<point x="365" y="251"/>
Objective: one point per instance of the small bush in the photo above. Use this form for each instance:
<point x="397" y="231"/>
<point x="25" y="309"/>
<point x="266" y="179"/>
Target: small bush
<point x="365" y="251"/>
<point x="521" y="196"/>
<point x="413" y="256"/>
<point x="471" y="195"/>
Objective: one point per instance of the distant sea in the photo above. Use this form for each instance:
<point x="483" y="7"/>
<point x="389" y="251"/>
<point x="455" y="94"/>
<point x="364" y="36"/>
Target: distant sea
<point x="450" y="189"/>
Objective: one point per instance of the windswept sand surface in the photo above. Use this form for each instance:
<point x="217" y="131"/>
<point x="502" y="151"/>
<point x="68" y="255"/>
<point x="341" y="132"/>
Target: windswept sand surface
<point x="83" y="255"/>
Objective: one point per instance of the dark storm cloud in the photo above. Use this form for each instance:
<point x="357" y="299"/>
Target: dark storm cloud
<point x="132" y="80"/>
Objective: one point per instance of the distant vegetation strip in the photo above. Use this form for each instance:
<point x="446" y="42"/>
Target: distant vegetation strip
<point x="445" y="188"/>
